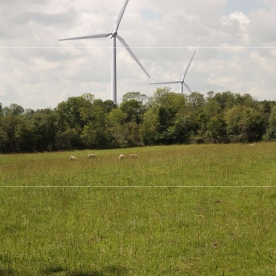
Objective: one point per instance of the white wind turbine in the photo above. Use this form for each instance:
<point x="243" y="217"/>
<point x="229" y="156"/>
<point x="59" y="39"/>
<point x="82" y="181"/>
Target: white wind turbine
<point x="181" y="82"/>
<point x="113" y="35"/>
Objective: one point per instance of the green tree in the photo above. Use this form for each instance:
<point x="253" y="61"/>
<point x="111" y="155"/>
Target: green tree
<point x="75" y="111"/>
<point x="142" y="98"/>
<point x="115" y="127"/>
<point x="162" y="97"/>
<point x="8" y="130"/>
<point x="46" y="124"/>
<point x="69" y="138"/>
<point x="271" y="130"/>
<point x="134" y="110"/>
<point x="25" y="135"/>
<point x="16" y="109"/>
<point x="245" y="124"/>
<point x="109" y="105"/>
<point x="132" y="131"/>
<point x="74" y="115"/>
<point x="89" y="97"/>
<point x="225" y="100"/>
<point x="28" y="112"/>
<point x="166" y="106"/>
<point x="246" y="100"/>
<point x="217" y="129"/>
<point x="149" y="128"/>
<point x="94" y="134"/>
<point x="13" y="109"/>
<point x="195" y="99"/>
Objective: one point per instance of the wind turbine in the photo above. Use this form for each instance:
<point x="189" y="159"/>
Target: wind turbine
<point x="180" y="81"/>
<point x="113" y="35"/>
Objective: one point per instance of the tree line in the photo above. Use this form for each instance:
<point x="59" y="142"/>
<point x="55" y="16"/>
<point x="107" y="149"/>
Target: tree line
<point x="166" y="118"/>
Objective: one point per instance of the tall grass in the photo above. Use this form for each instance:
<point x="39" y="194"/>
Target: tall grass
<point x="203" y="165"/>
<point x="177" y="210"/>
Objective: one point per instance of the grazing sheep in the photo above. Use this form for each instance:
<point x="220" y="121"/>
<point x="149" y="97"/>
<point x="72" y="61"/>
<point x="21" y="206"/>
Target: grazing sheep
<point x="73" y="157"/>
<point x="133" y="155"/>
<point x="91" y="155"/>
<point x="121" y="156"/>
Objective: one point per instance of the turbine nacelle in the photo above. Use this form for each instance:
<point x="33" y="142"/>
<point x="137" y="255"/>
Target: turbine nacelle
<point x="113" y="34"/>
<point x="181" y="82"/>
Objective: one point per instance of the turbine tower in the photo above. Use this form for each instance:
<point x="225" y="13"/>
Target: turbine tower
<point x="113" y="35"/>
<point x="180" y="81"/>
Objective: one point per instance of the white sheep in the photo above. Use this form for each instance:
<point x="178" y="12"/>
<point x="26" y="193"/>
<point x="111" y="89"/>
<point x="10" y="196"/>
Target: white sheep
<point x="91" y="155"/>
<point x="133" y="155"/>
<point x="73" y="157"/>
<point x="121" y="156"/>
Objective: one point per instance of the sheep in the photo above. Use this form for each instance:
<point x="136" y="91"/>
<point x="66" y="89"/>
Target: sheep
<point x="73" y="157"/>
<point x="91" y="155"/>
<point x="121" y="156"/>
<point x="133" y="155"/>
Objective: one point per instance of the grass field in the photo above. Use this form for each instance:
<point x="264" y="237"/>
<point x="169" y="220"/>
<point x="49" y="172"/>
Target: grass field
<point x="175" y="210"/>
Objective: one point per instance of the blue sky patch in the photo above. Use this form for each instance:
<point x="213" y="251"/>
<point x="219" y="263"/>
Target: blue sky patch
<point x="245" y="6"/>
<point x="149" y="15"/>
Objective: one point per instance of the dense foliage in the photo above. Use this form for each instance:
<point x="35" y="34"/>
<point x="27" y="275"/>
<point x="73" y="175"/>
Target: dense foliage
<point x="165" y="118"/>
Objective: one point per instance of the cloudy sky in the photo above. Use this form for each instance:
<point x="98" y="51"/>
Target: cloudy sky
<point x="235" y="42"/>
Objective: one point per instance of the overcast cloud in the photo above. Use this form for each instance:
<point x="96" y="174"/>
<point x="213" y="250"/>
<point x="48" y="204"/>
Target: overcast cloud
<point x="235" y="42"/>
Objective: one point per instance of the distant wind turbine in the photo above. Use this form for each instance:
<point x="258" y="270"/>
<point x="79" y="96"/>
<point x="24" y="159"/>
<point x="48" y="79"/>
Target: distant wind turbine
<point x="113" y="35"/>
<point x="180" y="81"/>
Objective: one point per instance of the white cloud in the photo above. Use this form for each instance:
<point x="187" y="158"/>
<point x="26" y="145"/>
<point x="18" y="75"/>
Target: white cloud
<point x="237" y="22"/>
<point x="262" y="28"/>
<point x="238" y="17"/>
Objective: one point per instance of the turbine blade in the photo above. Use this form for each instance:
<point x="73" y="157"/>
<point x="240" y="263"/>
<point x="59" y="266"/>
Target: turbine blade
<point x="188" y="67"/>
<point x="188" y="87"/>
<point x="166" y="82"/>
<point x="118" y="21"/>
<point x="86" y="37"/>
<point x="132" y="54"/>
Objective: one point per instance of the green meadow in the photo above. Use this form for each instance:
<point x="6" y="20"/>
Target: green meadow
<point x="174" y="210"/>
